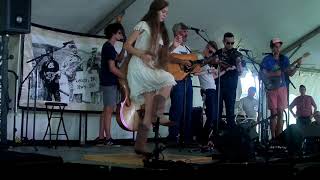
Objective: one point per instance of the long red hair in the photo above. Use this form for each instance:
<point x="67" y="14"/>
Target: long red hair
<point x="157" y="27"/>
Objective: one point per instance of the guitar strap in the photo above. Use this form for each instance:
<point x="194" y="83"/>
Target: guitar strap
<point x="187" y="48"/>
<point x="281" y="60"/>
<point x="280" y="63"/>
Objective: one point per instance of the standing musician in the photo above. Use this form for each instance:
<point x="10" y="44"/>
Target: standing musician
<point x="182" y="93"/>
<point x="229" y="80"/>
<point x="275" y="67"/>
<point x="148" y="81"/>
<point x="109" y="75"/>
<point x="208" y="86"/>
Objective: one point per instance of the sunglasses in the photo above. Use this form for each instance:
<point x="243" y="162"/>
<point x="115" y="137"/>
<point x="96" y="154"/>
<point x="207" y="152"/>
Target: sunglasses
<point x="230" y="43"/>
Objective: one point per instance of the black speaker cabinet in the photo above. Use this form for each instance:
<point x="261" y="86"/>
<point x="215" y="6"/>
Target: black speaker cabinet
<point x="15" y="16"/>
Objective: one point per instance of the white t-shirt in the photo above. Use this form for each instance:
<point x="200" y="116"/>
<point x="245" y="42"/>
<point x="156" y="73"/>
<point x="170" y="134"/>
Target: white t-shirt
<point x="206" y="78"/>
<point x="181" y="50"/>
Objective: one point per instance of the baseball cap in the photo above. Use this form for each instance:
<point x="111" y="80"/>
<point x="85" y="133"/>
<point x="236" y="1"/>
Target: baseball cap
<point x="276" y="40"/>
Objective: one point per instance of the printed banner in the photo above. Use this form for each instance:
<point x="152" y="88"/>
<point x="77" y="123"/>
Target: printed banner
<point x="68" y="73"/>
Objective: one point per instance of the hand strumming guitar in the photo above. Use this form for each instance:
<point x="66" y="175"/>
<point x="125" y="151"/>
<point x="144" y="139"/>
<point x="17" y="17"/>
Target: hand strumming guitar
<point x="186" y="64"/>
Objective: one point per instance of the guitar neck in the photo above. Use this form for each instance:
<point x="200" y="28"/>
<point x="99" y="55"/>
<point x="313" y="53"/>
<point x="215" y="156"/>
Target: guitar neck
<point x="295" y="62"/>
<point x="299" y="59"/>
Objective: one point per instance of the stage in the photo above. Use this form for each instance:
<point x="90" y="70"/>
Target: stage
<point x="120" y="160"/>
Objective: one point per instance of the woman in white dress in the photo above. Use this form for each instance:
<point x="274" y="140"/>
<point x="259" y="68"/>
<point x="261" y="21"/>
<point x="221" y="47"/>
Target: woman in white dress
<point x="149" y="83"/>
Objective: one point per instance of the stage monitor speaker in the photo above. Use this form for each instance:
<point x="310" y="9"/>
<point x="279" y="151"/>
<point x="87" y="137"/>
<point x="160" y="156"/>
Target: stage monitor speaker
<point x="15" y="16"/>
<point x="305" y="140"/>
<point x="235" y="144"/>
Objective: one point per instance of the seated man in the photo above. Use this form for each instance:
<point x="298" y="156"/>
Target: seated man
<point x="249" y="105"/>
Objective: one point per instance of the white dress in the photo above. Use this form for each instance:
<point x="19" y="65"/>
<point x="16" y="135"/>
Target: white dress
<point x="142" y="78"/>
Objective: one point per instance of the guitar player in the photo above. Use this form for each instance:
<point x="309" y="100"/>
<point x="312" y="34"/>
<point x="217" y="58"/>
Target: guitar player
<point x="182" y="93"/>
<point x="229" y="81"/>
<point x="50" y="75"/>
<point x="276" y="66"/>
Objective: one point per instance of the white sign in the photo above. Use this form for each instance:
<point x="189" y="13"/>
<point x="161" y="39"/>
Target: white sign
<point x="86" y="82"/>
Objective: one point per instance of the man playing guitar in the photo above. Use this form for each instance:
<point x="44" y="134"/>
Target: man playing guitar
<point x="50" y="74"/>
<point x="182" y="93"/>
<point x="275" y="67"/>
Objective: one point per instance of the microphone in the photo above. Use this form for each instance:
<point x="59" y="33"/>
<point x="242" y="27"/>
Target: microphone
<point x="266" y="53"/>
<point x="196" y="29"/>
<point x="244" y="50"/>
<point x="69" y="42"/>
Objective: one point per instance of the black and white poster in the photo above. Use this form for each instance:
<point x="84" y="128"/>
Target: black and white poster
<point x="69" y="74"/>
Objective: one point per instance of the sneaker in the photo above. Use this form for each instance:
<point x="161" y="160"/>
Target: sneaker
<point x="109" y="142"/>
<point x="99" y="142"/>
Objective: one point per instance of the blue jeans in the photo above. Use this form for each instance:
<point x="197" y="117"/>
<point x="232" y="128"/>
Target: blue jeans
<point x="179" y="98"/>
<point x="211" y="103"/>
<point x="228" y="92"/>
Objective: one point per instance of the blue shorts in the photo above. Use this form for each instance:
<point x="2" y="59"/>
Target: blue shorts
<point x="110" y="95"/>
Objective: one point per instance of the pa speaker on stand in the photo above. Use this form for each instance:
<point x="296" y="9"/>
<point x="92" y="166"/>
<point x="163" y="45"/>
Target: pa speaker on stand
<point x="15" y="16"/>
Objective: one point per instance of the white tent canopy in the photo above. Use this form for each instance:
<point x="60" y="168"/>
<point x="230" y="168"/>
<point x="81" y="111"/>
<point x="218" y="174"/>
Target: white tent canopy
<point x="254" y="22"/>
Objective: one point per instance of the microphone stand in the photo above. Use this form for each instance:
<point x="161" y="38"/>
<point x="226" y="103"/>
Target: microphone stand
<point x="35" y="71"/>
<point x="264" y="125"/>
<point x="198" y="32"/>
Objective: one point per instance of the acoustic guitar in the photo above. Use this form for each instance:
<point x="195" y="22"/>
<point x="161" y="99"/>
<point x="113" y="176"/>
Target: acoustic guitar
<point x="272" y="83"/>
<point x="180" y="72"/>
